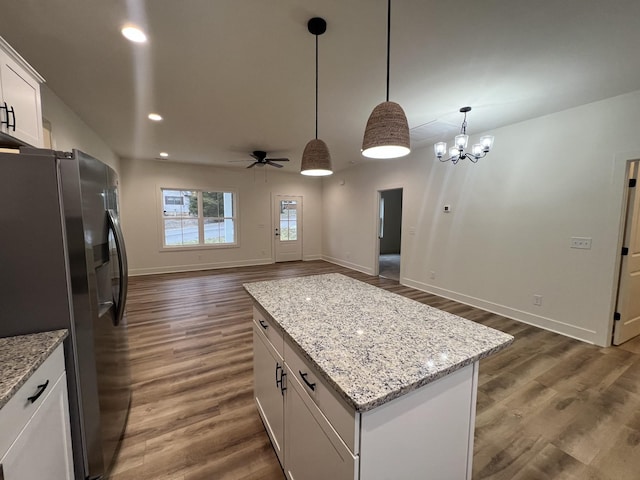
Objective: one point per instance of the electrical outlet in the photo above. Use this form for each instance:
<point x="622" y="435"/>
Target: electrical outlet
<point x="447" y="208"/>
<point x="537" y="300"/>
<point x="581" y="242"/>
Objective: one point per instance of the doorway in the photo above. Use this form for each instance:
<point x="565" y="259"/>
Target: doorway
<point x="627" y="315"/>
<point x="287" y="228"/>
<point x="389" y="233"/>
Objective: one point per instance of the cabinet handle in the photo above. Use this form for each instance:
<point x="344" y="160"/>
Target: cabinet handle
<point x="278" y="367"/>
<point x="41" y="389"/>
<point x="263" y="324"/>
<point x="282" y="387"/>
<point x="1" y="472"/>
<point x="312" y="386"/>
<point x="13" y="114"/>
<point x="5" y="107"/>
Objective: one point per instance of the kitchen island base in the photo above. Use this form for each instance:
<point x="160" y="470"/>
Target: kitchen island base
<point x="356" y="383"/>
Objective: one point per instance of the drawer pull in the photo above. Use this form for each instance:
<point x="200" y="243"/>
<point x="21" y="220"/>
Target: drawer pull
<point x="312" y="386"/>
<point x="278" y="381"/>
<point x="263" y="324"/>
<point x="282" y="387"/>
<point x="41" y="389"/>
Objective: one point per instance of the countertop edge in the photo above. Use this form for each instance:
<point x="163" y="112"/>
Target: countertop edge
<point x="42" y="346"/>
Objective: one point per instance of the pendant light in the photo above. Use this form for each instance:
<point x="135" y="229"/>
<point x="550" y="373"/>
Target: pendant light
<point x="387" y="131"/>
<point x="316" y="160"/>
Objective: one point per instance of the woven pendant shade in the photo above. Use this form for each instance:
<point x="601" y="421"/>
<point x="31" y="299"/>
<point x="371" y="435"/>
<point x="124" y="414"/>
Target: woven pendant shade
<point x="316" y="160"/>
<point x="387" y="132"/>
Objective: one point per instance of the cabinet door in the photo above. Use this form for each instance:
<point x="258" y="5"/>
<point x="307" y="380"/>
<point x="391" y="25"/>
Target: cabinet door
<point x="314" y="451"/>
<point x="43" y="448"/>
<point x="267" y="369"/>
<point x="22" y="93"/>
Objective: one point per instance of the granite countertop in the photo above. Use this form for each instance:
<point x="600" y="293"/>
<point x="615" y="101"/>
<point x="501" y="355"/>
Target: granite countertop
<point x="372" y="345"/>
<point x="21" y="355"/>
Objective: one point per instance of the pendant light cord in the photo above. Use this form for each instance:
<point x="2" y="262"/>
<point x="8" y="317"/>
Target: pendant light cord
<point x="388" y="42"/>
<point x="316" y="87"/>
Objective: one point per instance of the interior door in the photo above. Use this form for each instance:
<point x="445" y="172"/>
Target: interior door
<point x="287" y="228"/>
<point x="628" y="305"/>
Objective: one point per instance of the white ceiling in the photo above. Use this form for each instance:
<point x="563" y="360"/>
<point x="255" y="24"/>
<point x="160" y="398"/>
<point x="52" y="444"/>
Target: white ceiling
<point x="232" y="76"/>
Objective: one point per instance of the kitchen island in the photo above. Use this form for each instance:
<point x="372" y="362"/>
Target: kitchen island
<point x="352" y="381"/>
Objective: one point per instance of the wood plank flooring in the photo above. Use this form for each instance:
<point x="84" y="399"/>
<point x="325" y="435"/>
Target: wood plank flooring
<point x="549" y="407"/>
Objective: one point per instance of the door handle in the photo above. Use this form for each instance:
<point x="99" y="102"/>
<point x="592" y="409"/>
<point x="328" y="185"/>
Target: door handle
<point x="277" y="234"/>
<point x="123" y="268"/>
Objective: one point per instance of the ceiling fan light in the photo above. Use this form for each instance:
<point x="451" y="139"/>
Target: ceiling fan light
<point x="316" y="159"/>
<point x="476" y="150"/>
<point x="454" y="152"/>
<point x="387" y="132"/>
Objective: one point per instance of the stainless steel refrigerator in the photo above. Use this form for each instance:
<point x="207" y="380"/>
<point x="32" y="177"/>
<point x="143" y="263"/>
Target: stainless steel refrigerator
<point x="63" y="265"/>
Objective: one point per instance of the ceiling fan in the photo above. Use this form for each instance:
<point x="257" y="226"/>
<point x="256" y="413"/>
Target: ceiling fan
<point x="261" y="159"/>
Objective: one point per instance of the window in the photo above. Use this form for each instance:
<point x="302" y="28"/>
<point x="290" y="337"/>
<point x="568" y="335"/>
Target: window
<point x="288" y="220"/>
<point x="198" y="218"/>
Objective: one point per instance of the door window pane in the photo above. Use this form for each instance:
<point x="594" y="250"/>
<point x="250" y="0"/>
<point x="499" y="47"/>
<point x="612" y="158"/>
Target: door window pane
<point x="288" y="220"/>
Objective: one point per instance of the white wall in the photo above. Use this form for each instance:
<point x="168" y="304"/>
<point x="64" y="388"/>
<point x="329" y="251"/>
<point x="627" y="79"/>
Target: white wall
<point x="141" y="182"/>
<point x="513" y="214"/>
<point x="69" y="130"/>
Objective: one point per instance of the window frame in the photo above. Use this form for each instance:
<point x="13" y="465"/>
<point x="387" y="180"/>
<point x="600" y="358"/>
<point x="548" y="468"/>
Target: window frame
<point x="200" y="218"/>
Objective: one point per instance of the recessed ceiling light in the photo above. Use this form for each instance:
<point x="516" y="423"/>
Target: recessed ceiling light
<point x="155" y="117"/>
<point x="164" y="154"/>
<point x="134" y="34"/>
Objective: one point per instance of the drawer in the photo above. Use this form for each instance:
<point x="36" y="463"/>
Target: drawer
<point x="18" y="410"/>
<point x="342" y="418"/>
<point x="273" y="333"/>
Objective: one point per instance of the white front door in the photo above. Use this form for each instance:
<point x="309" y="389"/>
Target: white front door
<point x="287" y="228"/>
<point x="627" y="324"/>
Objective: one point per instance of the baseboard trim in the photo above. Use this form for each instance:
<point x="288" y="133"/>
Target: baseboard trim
<point x="135" y="272"/>
<point x="311" y="258"/>
<point x="545" y="323"/>
<point x="344" y="263"/>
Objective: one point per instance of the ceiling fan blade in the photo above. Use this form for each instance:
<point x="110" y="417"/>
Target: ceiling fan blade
<point x="273" y="164"/>
<point x="278" y="159"/>
<point x="253" y="164"/>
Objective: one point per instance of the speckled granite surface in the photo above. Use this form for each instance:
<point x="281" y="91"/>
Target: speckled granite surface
<point x="370" y="344"/>
<point x="20" y="356"/>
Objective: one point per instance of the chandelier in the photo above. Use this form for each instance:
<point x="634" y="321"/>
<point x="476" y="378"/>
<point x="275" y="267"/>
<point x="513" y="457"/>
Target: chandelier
<point x="457" y="153"/>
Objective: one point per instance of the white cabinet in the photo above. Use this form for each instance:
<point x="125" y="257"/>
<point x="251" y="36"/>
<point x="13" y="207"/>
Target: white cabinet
<point x="20" y="104"/>
<point x="313" y="449"/>
<point x="268" y="371"/>
<point x="426" y="433"/>
<point x="36" y="441"/>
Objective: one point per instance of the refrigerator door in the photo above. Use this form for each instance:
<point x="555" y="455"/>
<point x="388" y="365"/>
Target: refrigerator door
<point x="106" y="260"/>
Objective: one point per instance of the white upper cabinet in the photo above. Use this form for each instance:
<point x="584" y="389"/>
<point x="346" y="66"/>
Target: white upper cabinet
<point x="20" y="104"/>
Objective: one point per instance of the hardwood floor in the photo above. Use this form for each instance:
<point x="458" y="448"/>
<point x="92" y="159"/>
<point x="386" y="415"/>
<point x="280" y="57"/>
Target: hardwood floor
<point x="549" y="407"/>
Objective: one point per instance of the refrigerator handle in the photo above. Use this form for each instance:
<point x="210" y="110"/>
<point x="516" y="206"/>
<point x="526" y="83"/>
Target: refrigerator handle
<point x="114" y="225"/>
